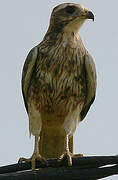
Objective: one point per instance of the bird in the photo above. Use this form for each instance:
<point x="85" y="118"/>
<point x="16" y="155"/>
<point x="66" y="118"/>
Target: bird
<point x="58" y="84"/>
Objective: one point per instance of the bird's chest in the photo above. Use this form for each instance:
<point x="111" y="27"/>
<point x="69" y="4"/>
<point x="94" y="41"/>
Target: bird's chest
<point x="59" y="81"/>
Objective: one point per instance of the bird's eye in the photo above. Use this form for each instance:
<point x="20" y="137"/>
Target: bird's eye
<point x="70" y="9"/>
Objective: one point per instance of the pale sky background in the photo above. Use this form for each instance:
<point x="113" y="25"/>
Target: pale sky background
<point x="23" y="24"/>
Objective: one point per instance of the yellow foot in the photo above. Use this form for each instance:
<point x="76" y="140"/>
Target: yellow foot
<point x="33" y="159"/>
<point x="68" y="155"/>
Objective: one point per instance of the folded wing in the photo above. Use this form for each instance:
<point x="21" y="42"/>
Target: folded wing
<point x="27" y="73"/>
<point x="90" y="84"/>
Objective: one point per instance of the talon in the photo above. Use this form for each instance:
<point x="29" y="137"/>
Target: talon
<point x="69" y="160"/>
<point x="36" y="156"/>
<point x="22" y="160"/>
<point x="33" y="164"/>
<point x="33" y="159"/>
<point x="61" y="157"/>
<point x="44" y="161"/>
<point x="68" y="155"/>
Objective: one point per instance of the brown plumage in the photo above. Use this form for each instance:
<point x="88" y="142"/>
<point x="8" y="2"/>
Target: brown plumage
<point x="58" y="83"/>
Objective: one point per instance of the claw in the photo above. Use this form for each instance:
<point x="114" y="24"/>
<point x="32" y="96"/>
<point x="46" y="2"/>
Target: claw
<point x="67" y="154"/>
<point x="33" y="160"/>
<point x="36" y="156"/>
<point x="21" y="160"/>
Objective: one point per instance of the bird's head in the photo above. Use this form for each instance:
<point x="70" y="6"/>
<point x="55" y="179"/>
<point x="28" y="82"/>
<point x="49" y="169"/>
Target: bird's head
<point x="69" y="17"/>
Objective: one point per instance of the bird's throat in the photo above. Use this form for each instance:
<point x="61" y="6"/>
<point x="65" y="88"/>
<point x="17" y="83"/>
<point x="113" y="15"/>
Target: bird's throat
<point x="74" y="26"/>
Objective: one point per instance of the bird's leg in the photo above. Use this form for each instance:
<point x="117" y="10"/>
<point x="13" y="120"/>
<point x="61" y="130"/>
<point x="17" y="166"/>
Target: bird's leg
<point x="35" y="156"/>
<point x="67" y="152"/>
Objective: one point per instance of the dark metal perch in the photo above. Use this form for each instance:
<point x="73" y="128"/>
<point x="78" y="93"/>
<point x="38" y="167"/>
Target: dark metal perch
<point x="84" y="168"/>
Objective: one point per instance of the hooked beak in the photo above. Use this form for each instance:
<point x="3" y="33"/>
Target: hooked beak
<point x="90" y="15"/>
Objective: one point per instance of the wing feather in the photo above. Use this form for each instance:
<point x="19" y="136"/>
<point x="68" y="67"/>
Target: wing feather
<point x="90" y="84"/>
<point x="28" y="69"/>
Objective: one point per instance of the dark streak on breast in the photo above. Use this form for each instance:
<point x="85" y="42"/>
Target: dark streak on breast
<point x="56" y="70"/>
